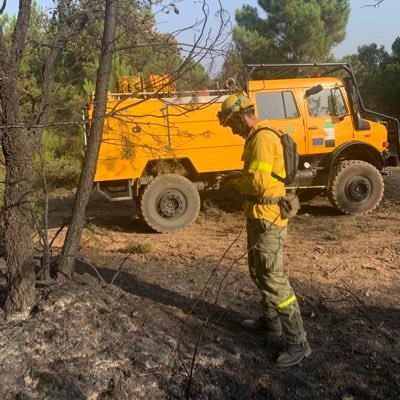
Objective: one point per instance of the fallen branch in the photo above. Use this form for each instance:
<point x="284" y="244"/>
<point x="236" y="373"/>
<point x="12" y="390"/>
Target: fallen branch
<point x="93" y="266"/>
<point x="336" y="269"/>
<point x="121" y="265"/>
<point x="63" y="225"/>
<point x="361" y="308"/>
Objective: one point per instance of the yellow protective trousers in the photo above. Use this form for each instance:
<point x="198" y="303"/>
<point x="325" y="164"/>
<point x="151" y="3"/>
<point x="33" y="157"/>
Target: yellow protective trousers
<point x="265" y="257"/>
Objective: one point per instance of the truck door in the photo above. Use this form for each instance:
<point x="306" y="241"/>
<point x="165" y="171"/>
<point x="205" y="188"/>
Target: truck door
<point x="280" y="108"/>
<point x="328" y="122"/>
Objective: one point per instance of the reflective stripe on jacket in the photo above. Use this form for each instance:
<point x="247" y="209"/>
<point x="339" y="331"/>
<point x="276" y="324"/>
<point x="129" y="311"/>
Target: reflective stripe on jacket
<point x="262" y="154"/>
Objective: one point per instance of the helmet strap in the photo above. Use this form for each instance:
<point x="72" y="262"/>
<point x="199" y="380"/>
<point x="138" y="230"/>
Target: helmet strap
<point x="239" y="125"/>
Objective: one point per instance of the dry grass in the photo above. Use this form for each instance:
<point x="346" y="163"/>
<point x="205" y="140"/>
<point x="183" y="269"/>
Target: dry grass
<point x="137" y="247"/>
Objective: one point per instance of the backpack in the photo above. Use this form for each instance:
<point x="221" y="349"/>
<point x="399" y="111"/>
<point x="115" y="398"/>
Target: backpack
<point x="290" y="155"/>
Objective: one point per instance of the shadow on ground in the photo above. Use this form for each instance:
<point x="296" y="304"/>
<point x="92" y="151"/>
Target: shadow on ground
<point x="356" y="346"/>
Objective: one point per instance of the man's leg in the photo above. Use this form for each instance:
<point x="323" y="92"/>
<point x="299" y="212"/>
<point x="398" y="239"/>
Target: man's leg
<point x="255" y="232"/>
<point x="268" y="323"/>
<point x="276" y="291"/>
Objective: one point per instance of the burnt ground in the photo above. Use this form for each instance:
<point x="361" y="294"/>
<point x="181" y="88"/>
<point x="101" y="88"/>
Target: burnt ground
<point x="151" y="316"/>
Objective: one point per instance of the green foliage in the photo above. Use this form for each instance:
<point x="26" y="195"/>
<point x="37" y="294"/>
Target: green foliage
<point x="62" y="160"/>
<point x="233" y="68"/>
<point x="194" y="77"/>
<point x="378" y="75"/>
<point x="145" y="51"/>
<point x="396" y="49"/>
<point x="57" y="146"/>
<point x="120" y="67"/>
<point x="62" y="172"/>
<point x="293" y="31"/>
<point x="140" y="50"/>
<point x="30" y="79"/>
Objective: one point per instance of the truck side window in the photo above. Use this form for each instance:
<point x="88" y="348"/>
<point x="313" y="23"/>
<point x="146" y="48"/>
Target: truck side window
<point x="328" y="102"/>
<point x="276" y="105"/>
<point x="338" y="101"/>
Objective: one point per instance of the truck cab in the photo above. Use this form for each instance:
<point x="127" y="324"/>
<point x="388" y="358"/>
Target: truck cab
<point x="319" y="120"/>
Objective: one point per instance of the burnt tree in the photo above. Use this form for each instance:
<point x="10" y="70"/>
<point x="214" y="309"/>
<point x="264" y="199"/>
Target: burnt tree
<point x="17" y="145"/>
<point x="71" y="245"/>
<point x="63" y="19"/>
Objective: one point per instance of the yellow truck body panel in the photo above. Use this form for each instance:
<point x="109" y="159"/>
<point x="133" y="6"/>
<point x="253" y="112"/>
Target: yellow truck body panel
<point x="170" y="128"/>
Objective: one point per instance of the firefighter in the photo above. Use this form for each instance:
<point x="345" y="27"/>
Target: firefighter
<point x="266" y="229"/>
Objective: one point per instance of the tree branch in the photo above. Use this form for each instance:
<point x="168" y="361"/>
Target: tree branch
<point x="19" y="34"/>
<point x="376" y="4"/>
<point x="3" y="6"/>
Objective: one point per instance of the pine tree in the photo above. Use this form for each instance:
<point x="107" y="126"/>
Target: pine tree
<point x="293" y="30"/>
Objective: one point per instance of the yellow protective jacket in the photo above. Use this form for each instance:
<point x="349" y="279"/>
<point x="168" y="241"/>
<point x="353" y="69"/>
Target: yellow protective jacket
<point x="262" y="154"/>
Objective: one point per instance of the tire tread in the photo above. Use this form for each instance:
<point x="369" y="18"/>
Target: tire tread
<point x="195" y="202"/>
<point x="339" y="169"/>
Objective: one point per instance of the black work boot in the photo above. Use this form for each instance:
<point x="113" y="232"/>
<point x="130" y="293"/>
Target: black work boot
<point x="263" y="325"/>
<point x="293" y="355"/>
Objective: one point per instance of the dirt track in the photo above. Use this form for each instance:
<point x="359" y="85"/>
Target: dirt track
<point x="135" y="338"/>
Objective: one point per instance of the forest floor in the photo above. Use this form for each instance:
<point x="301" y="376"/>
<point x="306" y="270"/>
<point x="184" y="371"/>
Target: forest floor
<point x="154" y="316"/>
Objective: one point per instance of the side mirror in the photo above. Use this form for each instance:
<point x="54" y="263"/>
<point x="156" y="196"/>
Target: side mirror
<point x="314" y="90"/>
<point x="361" y="124"/>
<point x="342" y="117"/>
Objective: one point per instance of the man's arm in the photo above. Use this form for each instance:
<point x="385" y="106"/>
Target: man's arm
<point x="256" y="175"/>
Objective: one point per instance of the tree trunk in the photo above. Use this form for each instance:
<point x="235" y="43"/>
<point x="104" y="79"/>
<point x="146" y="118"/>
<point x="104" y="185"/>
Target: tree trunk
<point x="70" y="249"/>
<point x="17" y="149"/>
<point x="42" y="118"/>
<point x="17" y="146"/>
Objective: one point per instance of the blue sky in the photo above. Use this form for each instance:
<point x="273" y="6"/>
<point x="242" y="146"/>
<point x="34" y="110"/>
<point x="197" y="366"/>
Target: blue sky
<point x="380" y="25"/>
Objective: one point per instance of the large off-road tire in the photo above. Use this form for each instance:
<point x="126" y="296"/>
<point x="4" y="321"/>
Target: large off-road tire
<point x="169" y="203"/>
<point x="356" y="187"/>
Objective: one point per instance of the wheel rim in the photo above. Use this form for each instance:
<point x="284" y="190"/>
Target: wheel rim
<point x="359" y="189"/>
<point x="171" y="204"/>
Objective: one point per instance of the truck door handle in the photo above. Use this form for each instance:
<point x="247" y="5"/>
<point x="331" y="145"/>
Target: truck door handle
<point x="312" y="128"/>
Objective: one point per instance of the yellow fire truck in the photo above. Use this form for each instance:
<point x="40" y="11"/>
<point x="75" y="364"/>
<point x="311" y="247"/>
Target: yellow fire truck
<point x="161" y="147"/>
